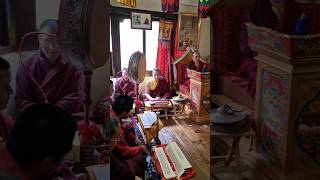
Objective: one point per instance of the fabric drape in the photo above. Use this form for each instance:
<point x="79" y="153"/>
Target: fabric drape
<point x="164" y="50"/>
<point x="203" y="8"/>
<point x="170" y="6"/>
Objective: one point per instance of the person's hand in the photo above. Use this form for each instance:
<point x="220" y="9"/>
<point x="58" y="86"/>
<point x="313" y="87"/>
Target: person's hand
<point x="81" y="176"/>
<point x="137" y="178"/>
<point x="1" y="140"/>
<point x="145" y="149"/>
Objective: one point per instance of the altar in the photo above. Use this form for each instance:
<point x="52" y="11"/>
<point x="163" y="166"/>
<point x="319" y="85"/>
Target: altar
<point x="288" y="77"/>
<point x="200" y="95"/>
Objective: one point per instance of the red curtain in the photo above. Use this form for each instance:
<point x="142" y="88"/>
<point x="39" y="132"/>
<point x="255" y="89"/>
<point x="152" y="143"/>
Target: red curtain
<point x="170" y="6"/>
<point x="180" y="67"/>
<point x="164" y="50"/>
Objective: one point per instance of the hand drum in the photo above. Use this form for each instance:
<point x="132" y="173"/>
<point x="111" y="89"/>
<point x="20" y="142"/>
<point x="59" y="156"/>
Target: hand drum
<point x="83" y="32"/>
<point x="137" y="67"/>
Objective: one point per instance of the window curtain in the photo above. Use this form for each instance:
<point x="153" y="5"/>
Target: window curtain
<point x="164" y="49"/>
<point x="203" y="8"/>
<point x="178" y="53"/>
<point x="170" y="6"/>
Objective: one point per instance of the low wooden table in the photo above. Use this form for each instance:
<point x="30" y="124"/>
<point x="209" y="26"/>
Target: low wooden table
<point x="153" y="107"/>
<point x="234" y="152"/>
<point x="181" y="105"/>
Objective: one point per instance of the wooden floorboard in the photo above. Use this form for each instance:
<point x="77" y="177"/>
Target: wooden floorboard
<point x="193" y="140"/>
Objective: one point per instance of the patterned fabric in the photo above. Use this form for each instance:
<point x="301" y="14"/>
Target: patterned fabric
<point x="203" y="8"/>
<point x="170" y="6"/>
<point x="164" y="50"/>
<point x="131" y="3"/>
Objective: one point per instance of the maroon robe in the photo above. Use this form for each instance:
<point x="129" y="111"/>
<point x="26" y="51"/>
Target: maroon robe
<point x="6" y="123"/>
<point x="125" y="150"/>
<point x="262" y="14"/>
<point x="192" y="66"/>
<point x="124" y="87"/>
<point x="122" y="168"/>
<point x="162" y="89"/>
<point x="61" y="82"/>
<point x="9" y="166"/>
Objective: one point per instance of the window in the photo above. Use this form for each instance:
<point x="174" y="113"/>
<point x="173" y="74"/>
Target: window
<point x="132" y="40"/>
<point x="152" y="45"/>
<point x="4" y="40"/>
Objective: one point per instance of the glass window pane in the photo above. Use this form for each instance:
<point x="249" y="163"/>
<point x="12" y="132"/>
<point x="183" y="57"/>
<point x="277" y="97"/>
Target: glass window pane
<point x="152" y="45"/>
<point x="130" y="41"/>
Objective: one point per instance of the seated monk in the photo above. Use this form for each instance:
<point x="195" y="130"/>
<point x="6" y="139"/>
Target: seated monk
<point x="121" y="168"/>
<point x="60" y="81"/>
<point x="135" y="153"/>
<point x="40" y="138"/>
<point x="121" y="109"/>
<point x="124" y="85"/>
<point x="157" y="87"/>
<point x="197" y="65"/>
<point x="5" y="91"/>
<point x="268" y="13"/>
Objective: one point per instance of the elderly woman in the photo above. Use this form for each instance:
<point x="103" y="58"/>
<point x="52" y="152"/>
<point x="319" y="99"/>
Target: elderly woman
<point x="157" y="87"/>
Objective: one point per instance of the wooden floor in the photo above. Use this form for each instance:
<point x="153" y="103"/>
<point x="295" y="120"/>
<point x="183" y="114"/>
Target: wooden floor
<point x="193" y="140"/>
<point x="244" y="144"/>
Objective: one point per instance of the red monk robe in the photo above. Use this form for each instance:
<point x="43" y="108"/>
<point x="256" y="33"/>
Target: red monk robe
<point x="61" y="83"/>
<point x="160" y="89"/>
<point x="192" y="66"/>
<point x="263" y="14"/>
<point x="6" y="123"/>
<point x="123" y="148"/>
<point x="8" y="164"/>
<point x="125" y="88"/>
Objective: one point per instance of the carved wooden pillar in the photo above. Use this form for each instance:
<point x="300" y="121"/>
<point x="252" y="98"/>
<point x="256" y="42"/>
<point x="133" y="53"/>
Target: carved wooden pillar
<point x="288" y="76"/>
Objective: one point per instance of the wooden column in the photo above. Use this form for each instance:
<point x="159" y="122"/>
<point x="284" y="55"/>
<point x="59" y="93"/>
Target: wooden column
<point x="199" y="90"/>
<point x="288" y="76"/>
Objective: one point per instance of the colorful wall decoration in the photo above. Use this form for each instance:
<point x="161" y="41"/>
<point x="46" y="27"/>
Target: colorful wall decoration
<point x="130" y="3"/>
<point x="273" y="114"/>
<point x="308" y="128"/>
<point x="189" y="26"/>
<point x="203" y="8"/>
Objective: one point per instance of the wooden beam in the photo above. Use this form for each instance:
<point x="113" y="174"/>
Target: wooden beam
<point x="126" y="13"/>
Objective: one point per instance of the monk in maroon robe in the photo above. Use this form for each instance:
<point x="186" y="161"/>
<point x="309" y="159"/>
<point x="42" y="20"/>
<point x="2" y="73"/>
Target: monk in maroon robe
<point x="60" y="82"/>
<point x="157" y="87"/>
<point x="280" y="15"/>
<point x="122" y="168"/>
<point x="197" y="65"/>
<point x="5" y="91"/>
<point x="40" y="138"/>
<point x="124" y="85"/>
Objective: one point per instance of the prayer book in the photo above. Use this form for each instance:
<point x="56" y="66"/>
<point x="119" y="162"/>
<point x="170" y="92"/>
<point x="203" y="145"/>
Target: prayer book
<point x="173" y="163"/>
<point x="147" y="119"/>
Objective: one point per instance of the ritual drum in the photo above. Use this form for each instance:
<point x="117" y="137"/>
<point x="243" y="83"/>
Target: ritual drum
<point x="83" y="32"/>
<point x="137" y="67"/>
